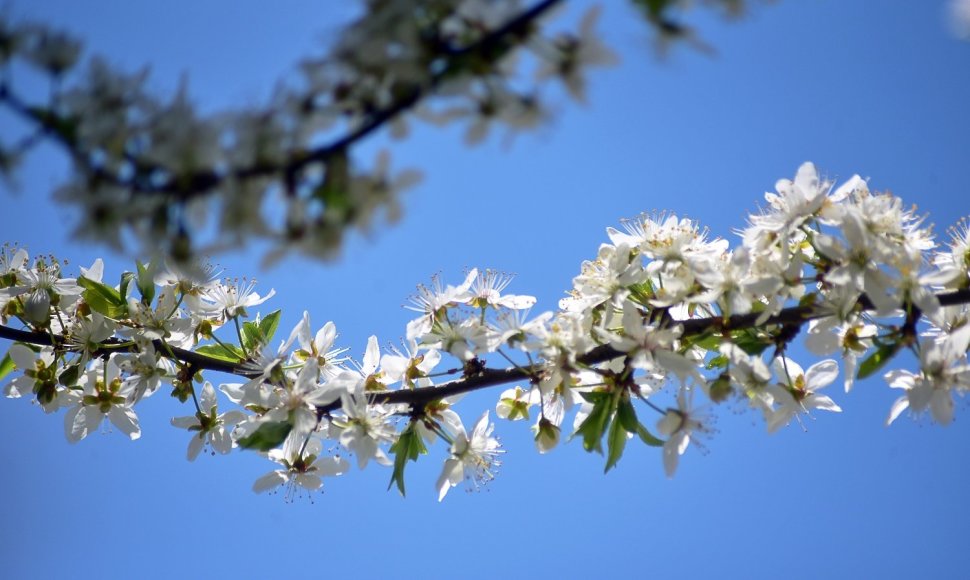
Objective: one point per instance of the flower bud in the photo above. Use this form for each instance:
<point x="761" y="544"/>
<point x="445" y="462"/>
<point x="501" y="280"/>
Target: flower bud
<point x="721" y="388"/>
<point x="547" y="435"/>
<point x="37" y="306"/>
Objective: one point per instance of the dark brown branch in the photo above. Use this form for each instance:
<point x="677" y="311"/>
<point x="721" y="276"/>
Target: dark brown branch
<point x="203" y="182"/>
<point x="488" y="377"/>
<point x="195" y="359"/>
<point x="693" y="327"/>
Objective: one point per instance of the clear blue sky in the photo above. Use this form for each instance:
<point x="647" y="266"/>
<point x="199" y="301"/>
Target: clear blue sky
<point x="871" y="87"/>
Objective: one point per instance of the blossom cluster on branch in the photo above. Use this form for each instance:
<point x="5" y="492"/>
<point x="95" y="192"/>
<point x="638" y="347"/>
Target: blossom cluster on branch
<point x="154" y="172"/>
<point x="663" y="320"/>
<point x="149" y="169"/>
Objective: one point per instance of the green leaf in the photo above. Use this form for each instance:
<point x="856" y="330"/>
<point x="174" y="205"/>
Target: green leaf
<point x="217" y="351"/>
<point x="648" y="437"/>
<point x="250" y="335"/>
<point x="594" y="426"/>
<point x="69" y="375"/>
<point x="877" y="360"/>
<point x="267" y="326"/>
<point x="749" y="341"/>
<point x="126" y="278"/>
<point x="706" y="341"/>
<point x="146" y="282"/>
<point x="616" y="442"/>
<point x="808" y="299"/>
<point x="6" y="366"/>
<point x="594" y="396"/>
<point x="642" y="293"/>
<point x="718" y="362"/>
<point x="407" y="447"/>
<point x="257" y="333"/>
<point x="267" y="436"/>
<point x="103" y="299"/>
<point x="627" y="416"/>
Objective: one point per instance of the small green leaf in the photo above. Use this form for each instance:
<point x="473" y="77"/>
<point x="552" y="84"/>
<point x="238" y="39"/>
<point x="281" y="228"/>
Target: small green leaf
<point x="627" y="416"/>
<point x="642" y="293"/>
<point x="407" y="447"/>
<point x="616" y="442"/>
<point x="259" y="332"/>
<point x="594" y="396"/>
<point x="648" y="437"/>
<point x="146" y="282"/>
<point x="69" y="375"/>
<point x="749" y="341"/>
<point x="103" y="299"/>
<point x="706" y="341"/>
<point x="250" y="335"/>
<point x="126" y="278"/>
<point x="106" y="291"/>
<point x="267" y="436"/>
<point x="267" y="326"/>
<point x="217" y="351"/>
<point x="593" y="428"/>
<point x="6" y="366"/>
<point x="808" y="299"/>
<point x="718" y="362"/>
<point x="878" y="359"/>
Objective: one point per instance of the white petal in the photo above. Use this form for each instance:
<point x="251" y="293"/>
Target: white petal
<point x="271" y="480"/>
<point x="779" y="418"/>
<point x="682" y="440"/>
<point x="126" y="421"/>
<point x="195" y="446"/>
<point x="23" y="357"/>
<point x="481" y="426"/>
<point x="220" y="440"/>
<point x="941" y="406"/>
<point x="516" y="302"/>
<point x="821" y="374"/>
<point x="185" y="422"/>
<point x="74" y="424"/>
<point x="671" y="458"/>
<point x="372" y="355"/>
<point x="309" y="481"/>
<point x="956" y="343"/>
<point x="824" y="403"/>
<point x="325" y="338"/>
<point x="451" y="476"/>
<point x="232" y="417"/>
<point x="208" y="399"/>
<point x="331" y="466"/>
<point x="95" y="272"/>
<point x="896" y="410"/>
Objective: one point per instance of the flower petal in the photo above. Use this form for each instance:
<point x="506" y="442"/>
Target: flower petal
<point x="271" y="480"/>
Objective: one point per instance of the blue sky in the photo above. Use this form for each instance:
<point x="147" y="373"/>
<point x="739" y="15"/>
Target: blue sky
<point x="870" y="87"/>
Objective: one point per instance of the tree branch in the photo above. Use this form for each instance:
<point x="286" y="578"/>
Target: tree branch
<point x="487" y="377"/>
<point x="185" y="187"/>
<point x="694" y="327"/>
<point x="110" y="346"/>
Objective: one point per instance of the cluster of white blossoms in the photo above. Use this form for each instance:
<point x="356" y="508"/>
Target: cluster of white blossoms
<point x="153" y="171"/>
<point x="663" y="320"/>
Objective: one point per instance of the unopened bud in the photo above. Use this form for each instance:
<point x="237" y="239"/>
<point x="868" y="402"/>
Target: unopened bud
<point x="547" y="435"/>
<point x="721" y="388"/>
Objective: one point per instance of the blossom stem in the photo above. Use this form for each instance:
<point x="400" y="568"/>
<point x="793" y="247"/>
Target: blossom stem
<point x="242" y="343"/>
<point x="195" y="399"/>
